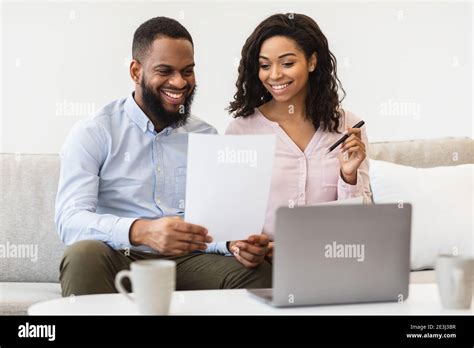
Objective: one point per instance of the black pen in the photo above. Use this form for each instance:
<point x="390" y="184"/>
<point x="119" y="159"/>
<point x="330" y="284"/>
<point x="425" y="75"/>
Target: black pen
<point x="340" y="141"/>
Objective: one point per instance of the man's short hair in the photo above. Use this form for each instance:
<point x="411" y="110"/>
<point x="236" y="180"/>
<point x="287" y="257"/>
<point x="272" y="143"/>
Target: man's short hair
<point x="153" y="29"/>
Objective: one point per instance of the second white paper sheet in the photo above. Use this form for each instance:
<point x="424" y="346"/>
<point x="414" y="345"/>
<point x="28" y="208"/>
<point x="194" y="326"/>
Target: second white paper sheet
<point x="228" y="182"/>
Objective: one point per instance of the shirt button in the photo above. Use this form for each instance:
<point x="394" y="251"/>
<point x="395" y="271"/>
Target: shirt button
<point x="158" y="169"/>
<point x="158" y="200"/>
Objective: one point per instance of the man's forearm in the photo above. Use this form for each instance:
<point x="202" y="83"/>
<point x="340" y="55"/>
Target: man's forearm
<point x="74" y="226"/>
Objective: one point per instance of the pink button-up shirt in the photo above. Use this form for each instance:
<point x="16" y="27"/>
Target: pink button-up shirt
<point x="309" y="177"/>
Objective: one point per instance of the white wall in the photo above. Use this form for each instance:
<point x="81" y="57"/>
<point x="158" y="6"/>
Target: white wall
<point x="407" y="67"/>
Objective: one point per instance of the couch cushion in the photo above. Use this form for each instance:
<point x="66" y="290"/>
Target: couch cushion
<point x="442" y="203"/>
<point x="425" y="153"/>
<point x="15" y="298"/>
<point x="30" y="249"/>
<point x="422" y="277"/>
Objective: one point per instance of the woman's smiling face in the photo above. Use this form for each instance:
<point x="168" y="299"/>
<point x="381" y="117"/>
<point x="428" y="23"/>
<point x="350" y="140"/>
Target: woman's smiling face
<point x="284" y="68"/>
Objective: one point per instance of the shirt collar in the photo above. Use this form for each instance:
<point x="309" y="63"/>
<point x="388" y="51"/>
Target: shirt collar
<point x="136" y="114"/>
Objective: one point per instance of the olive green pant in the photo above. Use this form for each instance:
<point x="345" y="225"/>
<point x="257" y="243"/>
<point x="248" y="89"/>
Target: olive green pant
<point x="90" y="266"/>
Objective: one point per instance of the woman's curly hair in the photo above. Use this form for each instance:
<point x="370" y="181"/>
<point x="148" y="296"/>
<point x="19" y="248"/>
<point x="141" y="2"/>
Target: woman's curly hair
<point x="322" y="103"/>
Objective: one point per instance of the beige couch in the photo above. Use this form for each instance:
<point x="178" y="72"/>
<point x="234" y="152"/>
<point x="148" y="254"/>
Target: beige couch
<point x="28" y="186"/>
<point x="424" y="154"/>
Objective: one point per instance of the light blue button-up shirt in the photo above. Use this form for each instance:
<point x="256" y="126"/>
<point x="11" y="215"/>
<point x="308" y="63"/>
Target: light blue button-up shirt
<point x="115" y="168"/>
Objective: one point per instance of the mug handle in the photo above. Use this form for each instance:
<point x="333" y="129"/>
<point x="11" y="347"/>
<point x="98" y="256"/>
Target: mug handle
<point x="118" y="283"/>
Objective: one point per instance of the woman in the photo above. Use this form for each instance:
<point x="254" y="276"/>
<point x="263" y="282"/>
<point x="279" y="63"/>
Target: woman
<point x="288" y="86"/>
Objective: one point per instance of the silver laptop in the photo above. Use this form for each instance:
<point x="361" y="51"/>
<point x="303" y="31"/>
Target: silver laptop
<point x="340" y="254"/>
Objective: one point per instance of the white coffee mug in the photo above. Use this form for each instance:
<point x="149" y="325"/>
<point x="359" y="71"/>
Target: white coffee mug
<point x="454" y="278"/>
<point x="153" y="283"/>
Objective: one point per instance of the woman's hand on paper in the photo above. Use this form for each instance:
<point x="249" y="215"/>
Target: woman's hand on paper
<point x="250" y="252"/>
<point x="271" y="248"/>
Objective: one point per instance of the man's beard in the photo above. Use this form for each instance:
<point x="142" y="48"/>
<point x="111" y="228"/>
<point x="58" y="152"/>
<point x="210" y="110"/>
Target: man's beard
<point x="154" y="106"/>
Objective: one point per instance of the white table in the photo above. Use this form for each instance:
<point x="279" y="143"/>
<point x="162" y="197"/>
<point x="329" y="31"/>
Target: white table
<point x="423" y="300"/>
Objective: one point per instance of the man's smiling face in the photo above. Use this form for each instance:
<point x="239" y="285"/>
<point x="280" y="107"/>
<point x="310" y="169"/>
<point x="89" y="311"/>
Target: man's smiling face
<point x="166" y="81"/>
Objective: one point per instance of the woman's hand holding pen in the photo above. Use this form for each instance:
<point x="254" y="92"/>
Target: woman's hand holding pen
<point x="352" y="155"/>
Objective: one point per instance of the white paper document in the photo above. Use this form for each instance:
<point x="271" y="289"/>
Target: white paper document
<point x="227" y="184"/>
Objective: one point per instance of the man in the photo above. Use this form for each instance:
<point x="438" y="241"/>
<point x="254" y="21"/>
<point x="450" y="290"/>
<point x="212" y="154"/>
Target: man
<point x="122" y="182"/>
